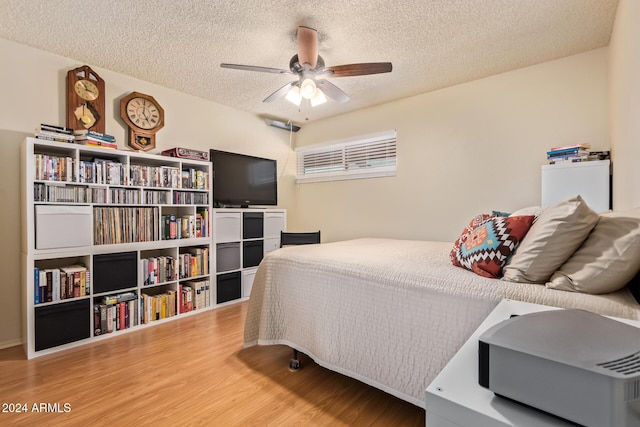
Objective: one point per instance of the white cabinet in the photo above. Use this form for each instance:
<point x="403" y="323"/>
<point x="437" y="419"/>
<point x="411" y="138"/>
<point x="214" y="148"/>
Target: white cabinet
<point x="241" y="238"/>
<point x="590" y="180"/>
<point x="111" y="241"/>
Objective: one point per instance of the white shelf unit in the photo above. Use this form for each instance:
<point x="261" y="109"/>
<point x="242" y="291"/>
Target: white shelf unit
<point x="591" y="180"/>
<point x="105" y="210"/>
<point x="242" y="237"/>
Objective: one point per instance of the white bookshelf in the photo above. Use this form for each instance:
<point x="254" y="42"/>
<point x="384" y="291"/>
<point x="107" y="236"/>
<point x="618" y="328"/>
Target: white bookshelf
<point x="70" y="218"/>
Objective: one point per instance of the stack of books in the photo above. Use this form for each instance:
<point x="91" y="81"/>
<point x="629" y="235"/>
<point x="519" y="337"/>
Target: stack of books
<point x="568" y="154"/>
<point x="55" y="133"/>
<point x="95" y="139"/>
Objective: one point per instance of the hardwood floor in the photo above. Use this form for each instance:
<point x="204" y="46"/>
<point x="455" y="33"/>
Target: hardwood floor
<point x="192" y="371"/>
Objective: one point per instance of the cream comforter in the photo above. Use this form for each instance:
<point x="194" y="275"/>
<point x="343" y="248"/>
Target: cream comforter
<point x="390" y="313"/>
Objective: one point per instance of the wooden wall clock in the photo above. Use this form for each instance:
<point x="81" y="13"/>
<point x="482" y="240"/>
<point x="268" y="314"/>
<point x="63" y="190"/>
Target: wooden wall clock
<point x="85" y="99"/>
<point x="144" y="116"/>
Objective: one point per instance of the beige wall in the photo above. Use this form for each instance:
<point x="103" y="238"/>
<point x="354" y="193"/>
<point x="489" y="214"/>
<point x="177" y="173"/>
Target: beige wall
<point x="32" y="91"/>
<point x="625" y="105"/>
<point x="462" y="150"/>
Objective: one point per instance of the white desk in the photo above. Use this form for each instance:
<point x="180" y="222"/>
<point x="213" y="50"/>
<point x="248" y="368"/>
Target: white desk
<point x="455" y="399"/>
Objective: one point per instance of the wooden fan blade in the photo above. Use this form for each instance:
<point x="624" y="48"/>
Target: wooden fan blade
<point x="332" y="91"/>
<point x="307" y="46"/>
<point x="350" y="70"/>
<point x="255" y="68"/>
<point x="280" y="92"/>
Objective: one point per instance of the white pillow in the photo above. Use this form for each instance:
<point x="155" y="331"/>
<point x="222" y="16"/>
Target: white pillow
<point x="608" y="259"/>
<point x="531" y="210"/>
<point x="555" y="235"/>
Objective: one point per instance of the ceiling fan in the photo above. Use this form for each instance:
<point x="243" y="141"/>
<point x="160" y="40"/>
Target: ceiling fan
<point x="312" y="73"/>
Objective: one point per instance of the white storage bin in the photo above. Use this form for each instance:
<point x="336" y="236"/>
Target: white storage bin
<point x="247" y="282"/>
<point x="227" y="226"/>
<point x="271" y="244"/>
<point x="62" y="226"/>
<point x="273" y="224"/>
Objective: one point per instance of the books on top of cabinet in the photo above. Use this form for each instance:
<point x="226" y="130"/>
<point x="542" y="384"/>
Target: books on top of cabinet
<point x="575" y="153"/>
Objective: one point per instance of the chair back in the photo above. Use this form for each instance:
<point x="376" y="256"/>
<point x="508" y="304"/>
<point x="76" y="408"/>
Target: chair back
<point x="306" y="238"/>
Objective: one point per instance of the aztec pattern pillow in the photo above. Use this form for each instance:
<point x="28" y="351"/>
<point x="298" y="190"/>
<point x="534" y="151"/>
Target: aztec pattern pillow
<point x="475" y="222"/>
<point x="486" y="249"/>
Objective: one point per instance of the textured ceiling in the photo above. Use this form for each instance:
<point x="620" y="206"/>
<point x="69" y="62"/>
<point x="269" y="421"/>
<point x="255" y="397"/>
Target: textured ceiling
<point x="431" y="43"/>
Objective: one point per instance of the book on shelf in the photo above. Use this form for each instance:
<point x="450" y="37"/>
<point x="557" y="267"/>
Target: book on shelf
<point x="157" y="307"/>
<point x="55" y="128"/>
<point x="56" y="284"/>
<point x="87" y="133"/>
<point x="573" y="159"/>
<point x="54" y="133"/>
<point x="584" y="146"/>
<point x="567" y="152"/>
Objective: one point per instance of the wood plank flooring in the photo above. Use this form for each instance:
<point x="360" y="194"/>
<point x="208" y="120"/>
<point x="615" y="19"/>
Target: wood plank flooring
<point x="188" y="372"/>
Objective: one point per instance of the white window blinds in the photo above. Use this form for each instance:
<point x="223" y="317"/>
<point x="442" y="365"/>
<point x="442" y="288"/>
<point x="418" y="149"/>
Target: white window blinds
<point x="363" y="157"/>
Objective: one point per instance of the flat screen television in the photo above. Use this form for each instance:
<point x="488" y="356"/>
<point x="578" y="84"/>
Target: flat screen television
<point x="242" y="180"/>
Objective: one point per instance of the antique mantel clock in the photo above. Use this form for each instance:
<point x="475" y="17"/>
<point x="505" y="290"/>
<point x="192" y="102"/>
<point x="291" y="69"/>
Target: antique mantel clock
<point x="85" y="99"/>
<point x="144" y="116"/>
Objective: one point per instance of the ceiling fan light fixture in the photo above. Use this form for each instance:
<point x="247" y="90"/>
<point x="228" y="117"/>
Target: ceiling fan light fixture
<point x="308" y="89"/>
<point x="294" y="96"/>
<point x="319" y="98"/>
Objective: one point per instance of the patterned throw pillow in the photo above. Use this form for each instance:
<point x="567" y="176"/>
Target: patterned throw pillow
<point x="486" y="249"/>
<point x="475" y="222"/>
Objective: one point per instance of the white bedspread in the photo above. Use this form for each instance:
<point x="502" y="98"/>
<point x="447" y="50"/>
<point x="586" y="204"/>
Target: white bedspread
<point x="390" y="313"/>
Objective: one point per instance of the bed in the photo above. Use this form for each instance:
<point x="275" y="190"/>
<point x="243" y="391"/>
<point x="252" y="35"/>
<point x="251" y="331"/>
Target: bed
<point x="390" y="313"/>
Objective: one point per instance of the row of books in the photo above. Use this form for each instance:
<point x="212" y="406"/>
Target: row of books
<point x="157" y="307"/>
<point x="195" y="179"/>
<point x="189" y="198"/>
<point x="95" y="139"/>
<point x="194" y="295"/>
<point x="159" y="269"/>
<point x="186" y="226"/>
<point x="162" y="269"/>
<point x="193" y="263"/>
<point x="55" y="284"/>
<point x="575" y="153"/>
<point x="54" y="133"/>
<point x="125" y="225"/>
<point x="115" y="313"/>
<point x="54" y="168"/>
<point x="104" y="171"/>
<point x="79" y="136"/>
<point x="67" y="193"/>
<point x="154" y="176"/>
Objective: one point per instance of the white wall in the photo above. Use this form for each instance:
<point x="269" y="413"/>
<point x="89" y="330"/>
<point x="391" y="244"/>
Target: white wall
<point x="625" y="105"/>
<point x="462" y="150"/>
<point x="32" y="91"/>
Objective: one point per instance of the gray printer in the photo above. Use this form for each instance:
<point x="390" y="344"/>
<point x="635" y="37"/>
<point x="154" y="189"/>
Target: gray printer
<point x="574" y="364"/>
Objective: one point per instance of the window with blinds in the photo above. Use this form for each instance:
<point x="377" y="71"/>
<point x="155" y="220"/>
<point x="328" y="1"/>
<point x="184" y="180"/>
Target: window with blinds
<point x="364" y="157"/>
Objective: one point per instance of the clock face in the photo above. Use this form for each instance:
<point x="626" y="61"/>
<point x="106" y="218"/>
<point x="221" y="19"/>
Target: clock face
<point x="143" y="113"/>
<point x="86" y="90"/>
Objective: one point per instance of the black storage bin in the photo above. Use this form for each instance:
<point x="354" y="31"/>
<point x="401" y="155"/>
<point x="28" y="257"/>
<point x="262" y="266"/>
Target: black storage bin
<point x="62" y="323"/>
<point x="252" y="253"/>
<point x="228" y="287"/>
<point x="252" y="225"/>
<point x="112" y="272"/>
